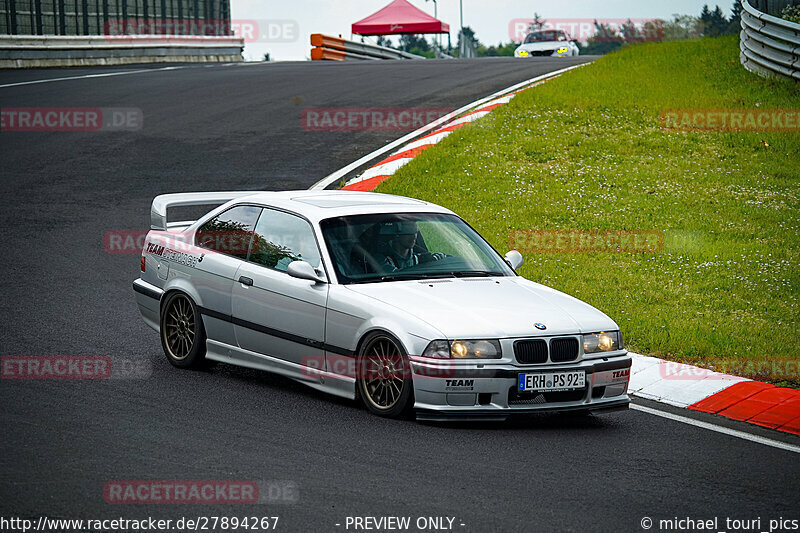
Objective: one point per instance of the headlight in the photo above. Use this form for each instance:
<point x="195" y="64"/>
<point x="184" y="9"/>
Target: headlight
<point x="437" y="350"/>
<point x="522" y="53"/>
<point x="606" y="341"/>
<point x="562" y="50"/>
<point x="464" y="349"/>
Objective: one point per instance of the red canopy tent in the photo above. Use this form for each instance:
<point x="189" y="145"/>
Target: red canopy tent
<point x="399" y="17"/>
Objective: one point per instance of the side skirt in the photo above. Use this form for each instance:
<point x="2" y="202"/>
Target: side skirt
<point x="338" y="385"/>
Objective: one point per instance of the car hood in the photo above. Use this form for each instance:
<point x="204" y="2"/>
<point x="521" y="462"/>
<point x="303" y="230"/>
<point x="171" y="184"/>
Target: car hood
<point x="548" y="45"/>
<point x="489" y="307"/>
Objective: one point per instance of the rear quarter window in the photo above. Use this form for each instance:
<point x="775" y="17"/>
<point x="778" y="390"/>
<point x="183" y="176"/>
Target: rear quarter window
<point x="230" y="232"/>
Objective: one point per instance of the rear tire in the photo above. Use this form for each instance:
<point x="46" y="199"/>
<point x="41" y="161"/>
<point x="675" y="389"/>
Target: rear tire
<point x="384" y="377"/>
<point x="183" y="337"/>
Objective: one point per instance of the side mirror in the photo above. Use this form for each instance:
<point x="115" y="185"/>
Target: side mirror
<point x="513" y="258"/>
<point x="303" y="270"/>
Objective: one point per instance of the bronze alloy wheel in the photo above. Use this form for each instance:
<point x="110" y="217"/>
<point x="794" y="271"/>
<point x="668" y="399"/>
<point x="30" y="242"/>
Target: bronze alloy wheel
<point x="179" y="330"/>
<point x="182" y="334"/>
<point x="384" y="377"/>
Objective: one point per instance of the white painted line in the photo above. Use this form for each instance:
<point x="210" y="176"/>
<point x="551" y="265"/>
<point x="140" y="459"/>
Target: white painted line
<point x="719" y="429"/>
<point x="105" y="75"/>
<point x="256" y="63"/>
<point x="337" y="176"/>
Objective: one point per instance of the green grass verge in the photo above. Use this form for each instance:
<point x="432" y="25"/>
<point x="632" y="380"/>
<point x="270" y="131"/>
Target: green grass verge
<point x="586" y="152"/>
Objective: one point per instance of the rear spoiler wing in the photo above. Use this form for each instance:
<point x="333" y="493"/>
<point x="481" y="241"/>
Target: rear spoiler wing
<point x="158" y="211"/>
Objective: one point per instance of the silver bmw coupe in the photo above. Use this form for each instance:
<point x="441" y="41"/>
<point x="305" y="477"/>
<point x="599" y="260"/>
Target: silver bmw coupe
<point x="392" y="300"/>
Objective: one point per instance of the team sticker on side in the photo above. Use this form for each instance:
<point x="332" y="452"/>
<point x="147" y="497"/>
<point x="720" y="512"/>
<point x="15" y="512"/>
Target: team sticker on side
<point x="175" y="256"/>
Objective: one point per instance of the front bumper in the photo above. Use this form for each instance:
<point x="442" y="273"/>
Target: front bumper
<point x="444" y="390"/>
<point x="541" y="53"/>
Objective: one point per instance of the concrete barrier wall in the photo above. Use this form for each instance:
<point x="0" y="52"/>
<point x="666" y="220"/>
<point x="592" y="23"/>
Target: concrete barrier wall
<point x="28" y="51"/>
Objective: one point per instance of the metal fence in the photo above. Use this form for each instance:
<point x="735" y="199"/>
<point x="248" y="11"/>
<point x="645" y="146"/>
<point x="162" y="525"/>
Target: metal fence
<point x="769" y="45"/>
<point x="115" y="17"/>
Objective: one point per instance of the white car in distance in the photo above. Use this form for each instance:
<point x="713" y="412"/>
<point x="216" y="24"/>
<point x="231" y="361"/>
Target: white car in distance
<point x="547" y="43"/>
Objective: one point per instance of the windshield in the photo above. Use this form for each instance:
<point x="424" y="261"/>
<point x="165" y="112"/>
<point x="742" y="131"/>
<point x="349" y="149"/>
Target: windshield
<point x="545" y="36"/>
<point x="393" y="247"/>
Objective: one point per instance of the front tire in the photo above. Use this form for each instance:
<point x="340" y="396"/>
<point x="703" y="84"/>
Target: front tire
<point x="182" y="334"/>
<point x="384" y="377"/>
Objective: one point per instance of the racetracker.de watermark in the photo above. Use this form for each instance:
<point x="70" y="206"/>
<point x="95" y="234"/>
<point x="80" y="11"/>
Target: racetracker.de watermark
<point x="231" y="242"/>
<point x="384" y="367"/>
<point x="586" y="241"/>
<point x="369" y="118"/>
<point x="583" y="29"/>
<point x="155" y="30"/>
<point x="70" y="119"/>
<point x="730" y="120"/>
<point x="77" y="367"/>
<point x="173" y="492"/>
<point x="720" y="369"/>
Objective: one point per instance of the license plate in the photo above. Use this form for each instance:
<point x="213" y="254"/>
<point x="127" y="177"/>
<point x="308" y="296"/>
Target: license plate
<point x="553" y="381"/>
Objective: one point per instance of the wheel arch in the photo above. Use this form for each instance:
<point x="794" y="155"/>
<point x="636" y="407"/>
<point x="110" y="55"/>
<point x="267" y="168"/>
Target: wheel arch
<point x="411" y="334"/>
<point x="379" y="330"/>
<point x="180" y="285"/>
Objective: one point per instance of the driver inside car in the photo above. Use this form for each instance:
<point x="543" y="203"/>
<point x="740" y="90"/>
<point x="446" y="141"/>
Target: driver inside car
<point x="399" y="252"/>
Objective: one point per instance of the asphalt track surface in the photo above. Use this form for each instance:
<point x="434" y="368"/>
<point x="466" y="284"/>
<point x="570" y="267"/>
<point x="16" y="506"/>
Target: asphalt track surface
<point x="238" y="127"/>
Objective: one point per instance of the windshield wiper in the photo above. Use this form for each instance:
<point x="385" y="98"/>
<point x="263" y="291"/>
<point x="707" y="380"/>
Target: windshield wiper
<point x="476" y="274"/>
<point x="436" y="275"/>
<point x="406" y="277"/>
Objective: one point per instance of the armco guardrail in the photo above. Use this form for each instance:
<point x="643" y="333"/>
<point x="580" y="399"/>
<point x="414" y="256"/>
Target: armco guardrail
<point x="338" y="49"/>
<point x="769" y="45"/>
<point x="772" y="7"/>
<point x="24" y="51"/>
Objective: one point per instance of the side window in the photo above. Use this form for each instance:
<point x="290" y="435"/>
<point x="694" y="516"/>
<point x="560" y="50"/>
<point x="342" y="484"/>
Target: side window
<point x="281" y="238"/>
<point x="230" y="232"/>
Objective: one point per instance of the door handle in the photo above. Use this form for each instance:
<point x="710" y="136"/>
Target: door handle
<point x="244" y="280"/>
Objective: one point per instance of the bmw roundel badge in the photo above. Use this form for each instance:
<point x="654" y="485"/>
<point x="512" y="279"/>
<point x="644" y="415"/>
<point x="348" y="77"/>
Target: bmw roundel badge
<point x="539" y="325"/>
